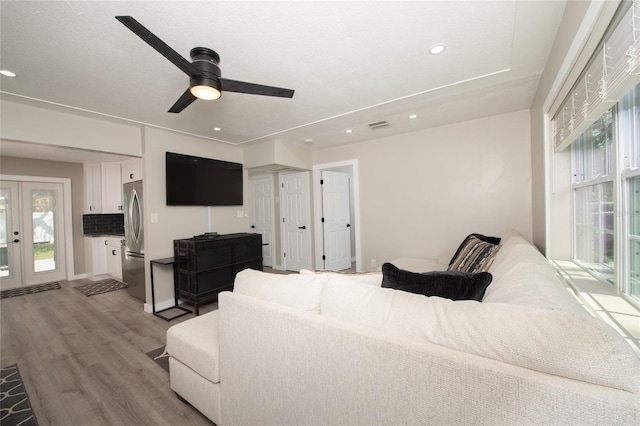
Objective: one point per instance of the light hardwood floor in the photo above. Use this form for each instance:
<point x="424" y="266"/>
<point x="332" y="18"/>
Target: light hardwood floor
<point x="83" y="359"/>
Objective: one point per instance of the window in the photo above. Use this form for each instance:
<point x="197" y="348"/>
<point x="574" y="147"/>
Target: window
<point x="600" y="120"/>
<point x="634" y="238"/>
<point x="629" y="141"/>
<point x="593" y="157"/>
<point x="606" y="182"/>
<point x="593" y="198"/>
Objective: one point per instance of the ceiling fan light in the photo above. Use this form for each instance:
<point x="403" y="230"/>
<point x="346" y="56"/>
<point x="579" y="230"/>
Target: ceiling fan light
<point x="8" y="73"/>
<point x="437" y="49"/>
<point x="207" y="93"/>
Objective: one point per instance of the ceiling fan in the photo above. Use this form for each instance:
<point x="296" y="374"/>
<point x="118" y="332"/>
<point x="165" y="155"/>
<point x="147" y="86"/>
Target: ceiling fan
<point x="204" y="73"/>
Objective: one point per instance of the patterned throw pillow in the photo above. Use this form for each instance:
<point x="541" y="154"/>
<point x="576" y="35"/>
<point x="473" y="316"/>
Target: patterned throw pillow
<point x="473" y="255"/>
<point x="485" y="238"/>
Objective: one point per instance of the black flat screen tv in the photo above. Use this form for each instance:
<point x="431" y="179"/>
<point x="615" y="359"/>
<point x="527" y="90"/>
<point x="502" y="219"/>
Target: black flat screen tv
<point x="197" y="181"/>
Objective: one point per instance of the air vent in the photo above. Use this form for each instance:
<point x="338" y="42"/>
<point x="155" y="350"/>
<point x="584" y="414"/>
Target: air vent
<point x="378" y="124"/>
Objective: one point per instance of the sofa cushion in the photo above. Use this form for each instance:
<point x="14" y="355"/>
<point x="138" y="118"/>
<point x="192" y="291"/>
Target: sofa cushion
<point x="517" y="265"/>
<point x="371" y="278"/>
<point x="414" y="264"/>
<point x="515" y="250"/>
<point x="454" y="285"/>
<point x="568" y="344"/>
<point x="474" y="254"/>
<point x="195" y="343"/>
<point x="293" y="290"/>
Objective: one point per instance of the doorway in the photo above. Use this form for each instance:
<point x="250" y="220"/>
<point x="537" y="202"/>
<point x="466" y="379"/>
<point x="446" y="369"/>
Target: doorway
<point x="262" y="209"/>
<point x="331" y="249"/>
<point x="336" y="220"/>
<point x="32" y="232"/>
<point x="296" y="221"/>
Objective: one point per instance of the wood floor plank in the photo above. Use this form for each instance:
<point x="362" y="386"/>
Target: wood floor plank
<point x="83" y="359"/>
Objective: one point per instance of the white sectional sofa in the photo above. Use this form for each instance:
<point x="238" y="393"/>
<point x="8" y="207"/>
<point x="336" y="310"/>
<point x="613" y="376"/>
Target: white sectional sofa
<point x="326" y="348"/>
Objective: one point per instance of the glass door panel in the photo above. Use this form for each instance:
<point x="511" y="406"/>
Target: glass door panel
<point x="10" y="262"/>
<point x="43" y="227"/>
<point x="43" y="248"/>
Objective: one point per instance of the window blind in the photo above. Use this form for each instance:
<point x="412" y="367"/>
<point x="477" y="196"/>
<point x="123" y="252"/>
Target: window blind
<point x="612" y="71"/>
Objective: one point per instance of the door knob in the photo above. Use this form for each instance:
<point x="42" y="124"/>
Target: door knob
<point x="16" y="233"/>
<point x="302" y="227"/>
<point x="348" y="225"/>
<point x="15" y="241"/>
<point x="253" y="226"/>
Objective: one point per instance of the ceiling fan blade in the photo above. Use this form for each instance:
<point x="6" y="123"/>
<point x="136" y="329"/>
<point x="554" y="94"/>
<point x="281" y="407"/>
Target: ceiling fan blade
<point x="254" y="89"/>
<point x="185" y="100"/>
<point x="163" y="48"/>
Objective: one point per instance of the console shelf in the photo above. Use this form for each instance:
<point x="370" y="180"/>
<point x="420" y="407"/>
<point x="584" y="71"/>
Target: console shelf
<point x="209" y="264"/>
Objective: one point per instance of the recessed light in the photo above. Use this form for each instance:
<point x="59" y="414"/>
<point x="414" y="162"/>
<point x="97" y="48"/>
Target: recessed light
<point x="308" y="141"/>
<point x="217" y="129"/>
<point x="413" y="116"/>
<point x="437" y="49"/>
<point x="349" y="130"/>
<point x="7" y="73"/>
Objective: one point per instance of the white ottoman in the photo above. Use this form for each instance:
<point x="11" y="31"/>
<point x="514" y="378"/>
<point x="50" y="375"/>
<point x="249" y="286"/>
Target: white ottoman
<point x="194" y="363"/>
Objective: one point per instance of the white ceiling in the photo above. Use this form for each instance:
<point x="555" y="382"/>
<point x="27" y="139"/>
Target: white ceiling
<point x="350" y="63"/>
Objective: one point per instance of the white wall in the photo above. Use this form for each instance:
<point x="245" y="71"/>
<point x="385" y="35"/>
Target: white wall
<point x="277" y="153"/>
<point x="259" y="155"/>
<point x="559" y="224"/>
<point x="421" y="193"/>
<point x="176" y="222"/>
<point x="27" y="123"/>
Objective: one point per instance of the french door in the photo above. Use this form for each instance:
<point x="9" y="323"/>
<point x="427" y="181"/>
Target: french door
<point x="32" y="233"/>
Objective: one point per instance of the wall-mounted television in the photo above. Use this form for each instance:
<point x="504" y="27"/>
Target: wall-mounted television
<point x="197" y="181"/>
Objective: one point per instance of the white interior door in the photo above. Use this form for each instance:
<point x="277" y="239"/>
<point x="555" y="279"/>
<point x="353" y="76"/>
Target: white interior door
<point x="10" y="264"/>
<point x="262" y="214"/>
<point x="36" y="232"/>
<point x="296" y="221"/>
<point x="336" y="218"/>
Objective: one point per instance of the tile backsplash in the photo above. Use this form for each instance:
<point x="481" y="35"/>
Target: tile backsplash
<point x="103" y="224"/>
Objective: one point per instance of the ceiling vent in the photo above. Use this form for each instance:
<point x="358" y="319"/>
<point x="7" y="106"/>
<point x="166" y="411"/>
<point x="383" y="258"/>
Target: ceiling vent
<point x="378" y="124"/>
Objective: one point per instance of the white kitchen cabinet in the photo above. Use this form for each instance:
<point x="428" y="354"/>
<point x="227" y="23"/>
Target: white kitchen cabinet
<point x="114" y="257"/>
<point x="95" y="256"/>
<point x="111" y="188"/>
<point x="103" y="188"/>
<point x="103" y="257"/>
<point x="92" y="188"/>
<point x="131" y="170"/>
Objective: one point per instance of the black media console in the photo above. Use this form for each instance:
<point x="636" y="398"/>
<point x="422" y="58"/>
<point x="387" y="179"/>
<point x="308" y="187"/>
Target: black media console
<point x="209" y="264"/>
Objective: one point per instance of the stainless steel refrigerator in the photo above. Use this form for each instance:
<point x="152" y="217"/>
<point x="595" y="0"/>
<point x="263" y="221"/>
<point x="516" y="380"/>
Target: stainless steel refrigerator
<point x="133" y="244"/>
